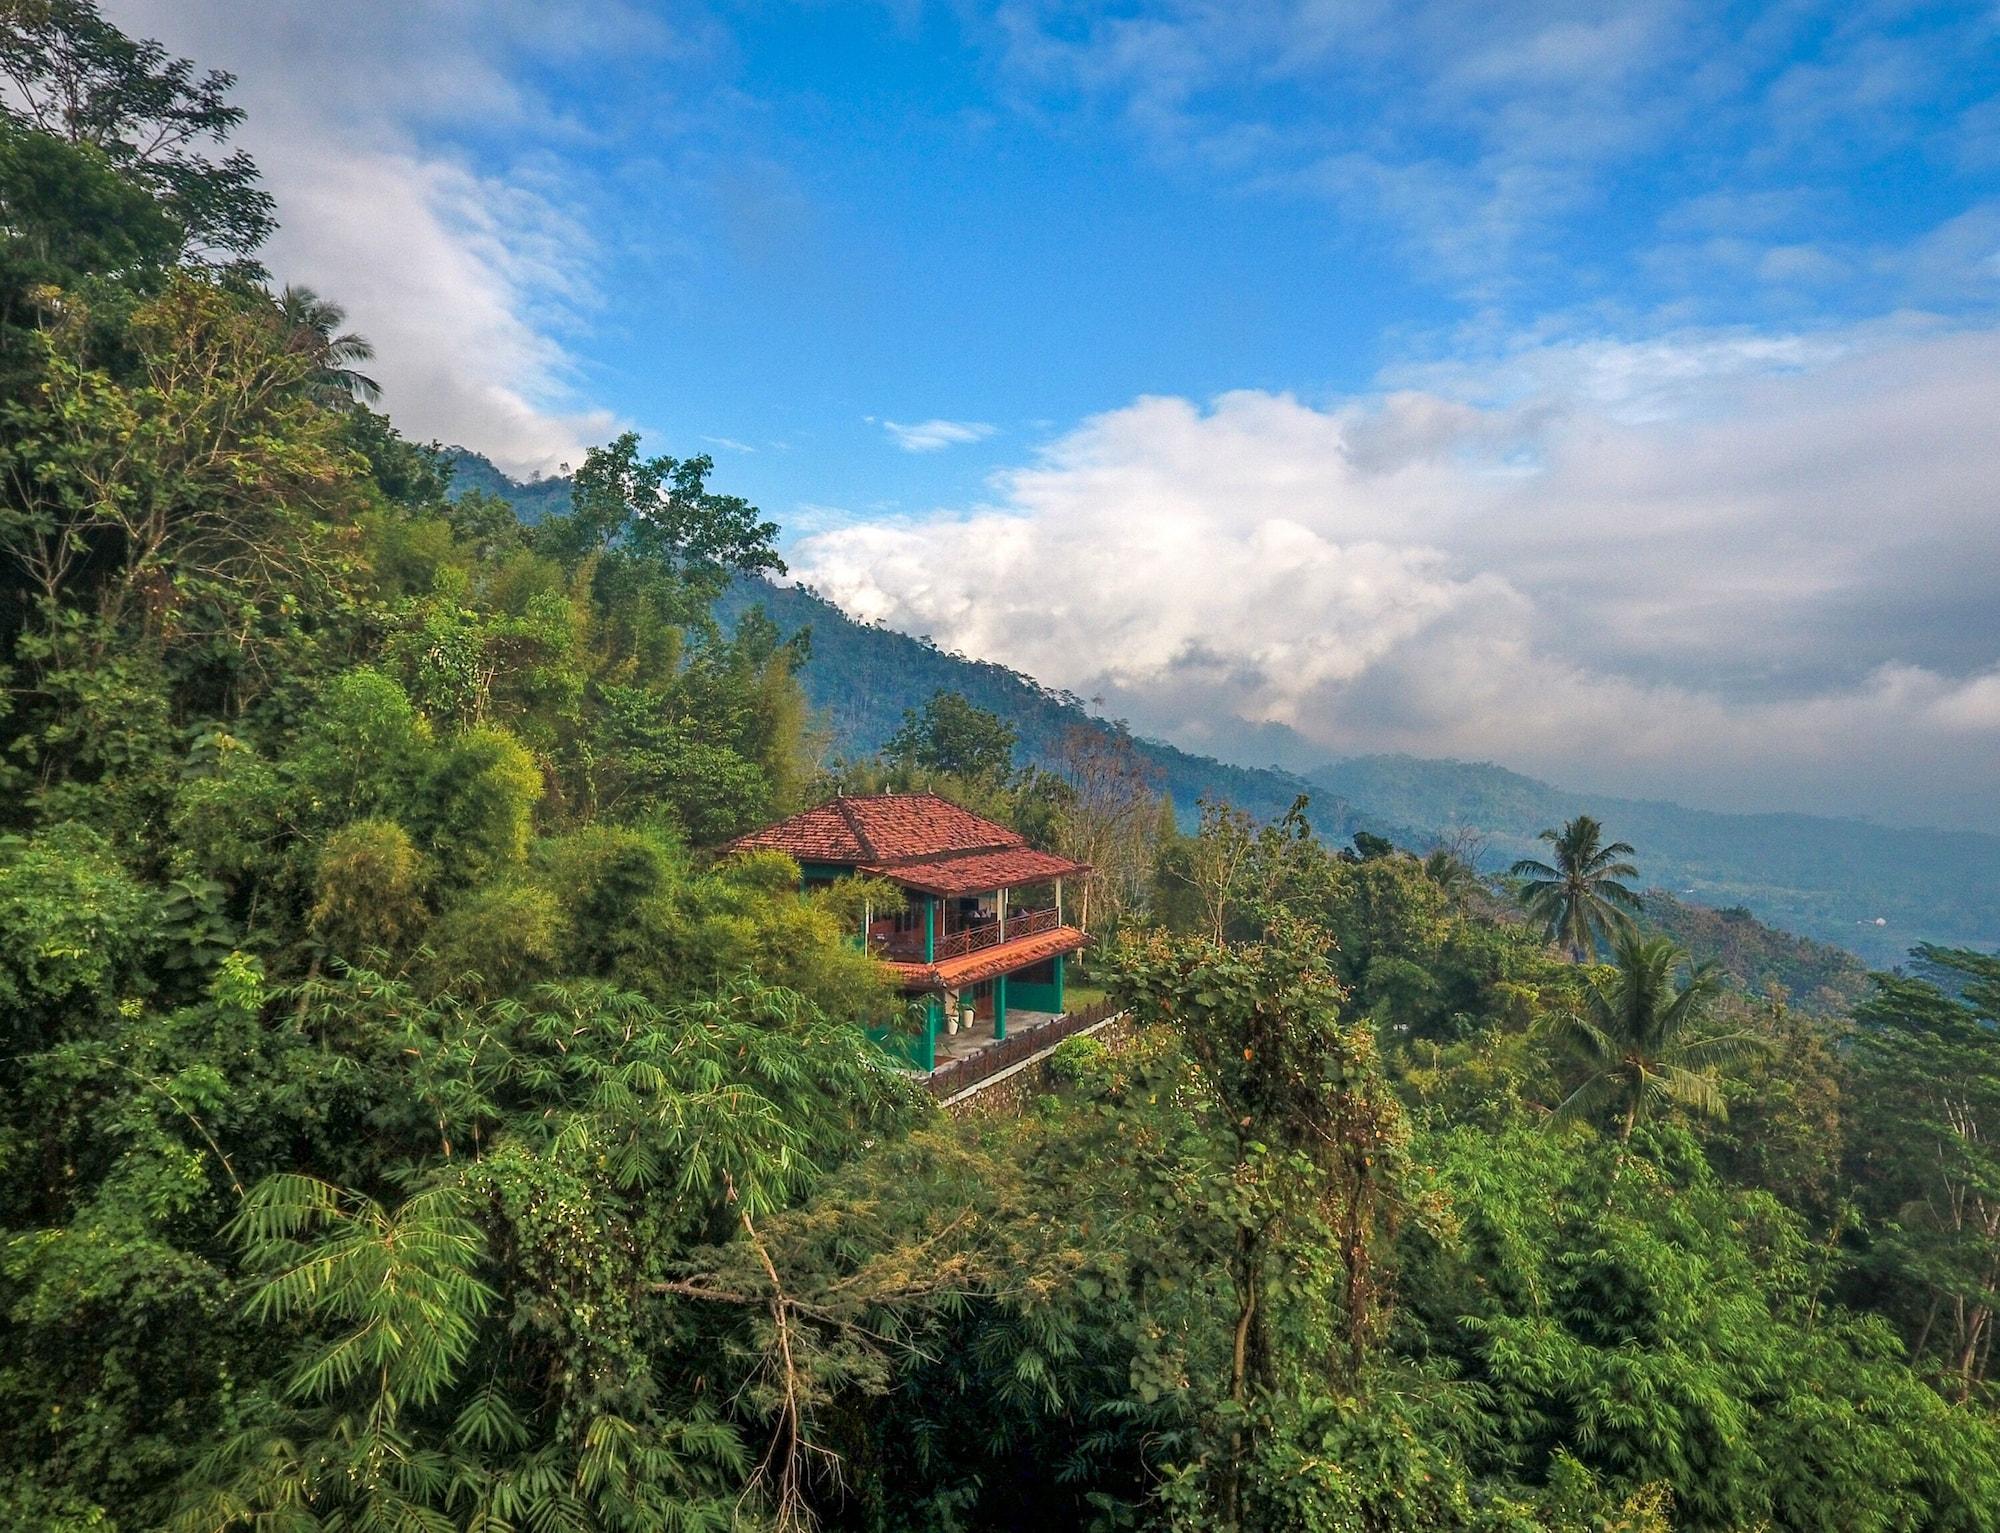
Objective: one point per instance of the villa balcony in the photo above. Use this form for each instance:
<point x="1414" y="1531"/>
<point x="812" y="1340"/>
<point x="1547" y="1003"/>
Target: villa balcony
<point x="960" y="941"/>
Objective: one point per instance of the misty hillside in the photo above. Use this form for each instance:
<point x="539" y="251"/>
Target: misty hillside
<point x="532" y="499"/>
<point x="862" y="678"/>
<point x="1831" y="880"/>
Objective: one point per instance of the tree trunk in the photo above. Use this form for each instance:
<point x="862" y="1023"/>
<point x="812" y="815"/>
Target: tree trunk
<point x="1239" y="1371"/>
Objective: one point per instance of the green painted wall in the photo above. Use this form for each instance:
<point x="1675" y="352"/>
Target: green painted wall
<point x="917" y="1049"/>
<point x="1046" y="996"/>
<point x="1000" y="1007"/>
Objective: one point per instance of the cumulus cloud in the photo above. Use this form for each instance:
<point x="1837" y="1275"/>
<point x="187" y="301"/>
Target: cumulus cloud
<point x="932" y="435"/>
<point x="465" y="272"/>
<point x="1710" y="565"/>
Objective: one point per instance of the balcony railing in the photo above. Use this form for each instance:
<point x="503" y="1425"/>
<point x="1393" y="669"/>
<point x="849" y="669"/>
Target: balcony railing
<point x="1022" y="1044"/>
<point x="971" y="939"/>
<point x="908" y="947"/>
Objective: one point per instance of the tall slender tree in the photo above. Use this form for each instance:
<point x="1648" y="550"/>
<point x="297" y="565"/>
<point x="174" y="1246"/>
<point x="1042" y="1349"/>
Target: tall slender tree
<point x="1579" y="896"/>
<point x="1635" y="1034"/>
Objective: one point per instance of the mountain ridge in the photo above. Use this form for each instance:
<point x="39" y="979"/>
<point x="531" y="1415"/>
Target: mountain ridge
<point x="1829" y="879"/>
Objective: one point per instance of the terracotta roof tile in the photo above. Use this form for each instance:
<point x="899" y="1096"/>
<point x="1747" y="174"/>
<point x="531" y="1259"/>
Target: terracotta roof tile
<point x="955" y="973"/>
<point x="899" y="825"/>
<point x="820" y="834"/>
<point x="975" y="872"/>
<point x="880" y="828"/>
<point x="919" y="840"/>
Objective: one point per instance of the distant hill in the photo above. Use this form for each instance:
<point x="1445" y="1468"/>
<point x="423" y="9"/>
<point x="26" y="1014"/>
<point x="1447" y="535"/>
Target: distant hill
<point x="532" y="499"/>
<point x="1830" y="879"/>
<point x="1816" y="976"/>
<point x="1871" y="890"/>
<point x="863" y="677"/>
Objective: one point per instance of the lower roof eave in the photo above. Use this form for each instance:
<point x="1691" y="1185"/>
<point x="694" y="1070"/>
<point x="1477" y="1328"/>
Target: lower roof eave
<point x="989" y="963"/>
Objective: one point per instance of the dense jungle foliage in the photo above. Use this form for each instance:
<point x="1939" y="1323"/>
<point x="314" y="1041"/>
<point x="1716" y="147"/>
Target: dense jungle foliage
<point x="407" y="1122"/>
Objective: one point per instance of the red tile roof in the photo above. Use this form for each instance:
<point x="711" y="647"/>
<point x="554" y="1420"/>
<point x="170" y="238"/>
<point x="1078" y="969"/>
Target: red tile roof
<point x="879" y="827"/>
<point x="976" y="872"/>
<point x="919" y="840"/>
<point x="821" y="834"/>
<point x="956" y="973"/>
<point x="898" y="825"/>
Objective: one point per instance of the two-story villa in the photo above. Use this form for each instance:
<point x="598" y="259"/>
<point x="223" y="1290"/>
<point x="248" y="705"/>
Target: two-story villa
<point x="983" y="936"/>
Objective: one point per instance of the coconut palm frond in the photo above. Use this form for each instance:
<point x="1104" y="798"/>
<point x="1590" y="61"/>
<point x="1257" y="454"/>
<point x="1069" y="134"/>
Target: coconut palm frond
<point x="1725" y="1049"/>
<point x="1640" y="1018"/>
<point x="1693" y="1089"/>
<point x="1585" y="1033"/>
<point x="1578" y="895"/>
<point x="1586" y="1102"/>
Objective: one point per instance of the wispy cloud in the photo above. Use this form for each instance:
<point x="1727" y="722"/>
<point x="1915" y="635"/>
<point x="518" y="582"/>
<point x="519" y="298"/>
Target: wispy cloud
<point x="1480" y="137"/>
<point x="728" y="444"/>
<point x="932" y="435"/>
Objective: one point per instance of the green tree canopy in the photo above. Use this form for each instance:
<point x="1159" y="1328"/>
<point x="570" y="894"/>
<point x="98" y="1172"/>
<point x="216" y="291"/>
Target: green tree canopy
<point x="952" y="736"/>
<point x="78" y="79"/>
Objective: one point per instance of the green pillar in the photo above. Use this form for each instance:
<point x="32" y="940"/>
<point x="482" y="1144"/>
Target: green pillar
<point x="927" y="1046"/>
<point x="1000" y="1007"/>
<point x="1060" y="957"/>
<point x="930" y="930"/>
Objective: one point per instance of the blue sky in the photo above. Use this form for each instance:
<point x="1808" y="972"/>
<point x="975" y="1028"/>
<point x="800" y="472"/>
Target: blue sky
<point x="810" y="220"/>
<point x="1603" y="389"/>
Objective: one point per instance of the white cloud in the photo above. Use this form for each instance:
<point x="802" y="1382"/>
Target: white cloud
<point x="931" y="435"/>
<point x="465" y="274"/>
<point x="1746" y="570"/>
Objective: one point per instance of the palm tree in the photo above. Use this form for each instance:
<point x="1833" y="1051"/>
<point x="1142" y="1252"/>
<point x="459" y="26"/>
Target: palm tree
<point x="310" y="323"/>
<point x="1453" y="872"/>
<point x="1580" y="899"/>
<point x="1634" y="1035"/>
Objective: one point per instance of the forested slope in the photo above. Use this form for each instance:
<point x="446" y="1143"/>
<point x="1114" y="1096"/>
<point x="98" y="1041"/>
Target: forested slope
<point x="1826" y="978"/>
<point x="410" y="1122"/>
<point x="865" y="678"/>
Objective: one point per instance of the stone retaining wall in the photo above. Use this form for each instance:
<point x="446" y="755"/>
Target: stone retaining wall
<point x="1030" y="1078"/>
